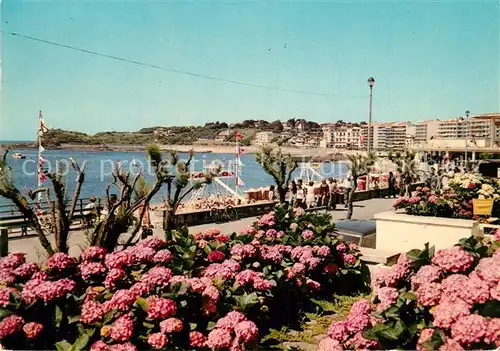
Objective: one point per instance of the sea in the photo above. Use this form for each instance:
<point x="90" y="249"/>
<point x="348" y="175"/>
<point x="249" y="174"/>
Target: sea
<point x="99" y="166"/>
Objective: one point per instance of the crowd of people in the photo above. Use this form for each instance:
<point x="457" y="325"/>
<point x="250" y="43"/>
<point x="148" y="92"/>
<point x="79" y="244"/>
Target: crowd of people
<point x="213" y="201"/>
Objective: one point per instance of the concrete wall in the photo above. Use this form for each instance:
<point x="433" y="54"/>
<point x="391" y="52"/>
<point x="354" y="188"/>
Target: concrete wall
<point x="401" y="232"/>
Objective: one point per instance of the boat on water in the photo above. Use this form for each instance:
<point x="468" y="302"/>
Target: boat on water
<point x="18" y="156"/>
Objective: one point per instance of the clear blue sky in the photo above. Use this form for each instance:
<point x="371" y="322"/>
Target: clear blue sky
<point x="430" y="60"/>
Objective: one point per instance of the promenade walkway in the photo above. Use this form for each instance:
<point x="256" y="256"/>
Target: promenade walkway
<point x="77" y="241"/>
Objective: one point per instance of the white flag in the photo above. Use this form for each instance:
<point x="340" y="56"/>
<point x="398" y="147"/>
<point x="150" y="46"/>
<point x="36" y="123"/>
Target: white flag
<point x="41" y="149"/>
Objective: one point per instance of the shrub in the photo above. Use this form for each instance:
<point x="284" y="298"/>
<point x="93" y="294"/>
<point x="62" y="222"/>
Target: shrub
<point x="448" y="300"/>
<point x="453" y="202"/>
<point x="202" y="291"/>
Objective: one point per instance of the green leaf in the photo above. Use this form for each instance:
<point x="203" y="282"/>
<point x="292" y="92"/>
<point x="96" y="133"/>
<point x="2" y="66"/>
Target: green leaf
<point x="73" y="319"/>
<point x="108" y="316"/>
<point x="81" y="342"/>
<point x="142" y="303"/>
<point x="210" y="326"/>
<point x="408" y="296"/>
<point x="63" y="346"/>
<point x="491" y="309"/>
<point x="59" y="316"/>
<point x="413" y="255"/>
<point x="5" y="312"/>
<point x="392" y="312"/>
<point x="393" y="333"/>
<point x="192" y="326"/>
<point x="148" y="325"/>
<point x="246" y="301"/>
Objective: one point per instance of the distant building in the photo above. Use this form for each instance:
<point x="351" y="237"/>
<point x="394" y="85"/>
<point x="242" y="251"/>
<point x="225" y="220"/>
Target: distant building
<point x="262" y="138"/>
<point x="222" y="136"/>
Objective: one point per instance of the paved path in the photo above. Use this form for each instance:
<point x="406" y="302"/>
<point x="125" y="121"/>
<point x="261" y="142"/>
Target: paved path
<point x="77" y="241"/>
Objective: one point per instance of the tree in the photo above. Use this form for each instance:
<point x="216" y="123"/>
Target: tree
<point x="61" y="218"/>
<point x="407" y="166"/>
<point x="279" y="166"/>
<point x="277" y="126"/>
<point x="179" y="183"/>
<point x="359" y="165"/>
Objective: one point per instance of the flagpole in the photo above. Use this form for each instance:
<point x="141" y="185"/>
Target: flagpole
<point x="39" y="133"/>
<point x="237" y="165"/>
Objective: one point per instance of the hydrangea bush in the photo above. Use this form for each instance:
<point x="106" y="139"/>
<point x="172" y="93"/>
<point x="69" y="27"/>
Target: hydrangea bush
<point x="447" y="300"/>
<point x="207" y="291"/>
<point x="453" y="202"/>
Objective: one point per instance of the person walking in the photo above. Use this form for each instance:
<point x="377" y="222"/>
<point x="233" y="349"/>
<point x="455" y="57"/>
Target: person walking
<point x="310" y="197"/>
<point x="392" y="184"/>
<point x="333" y="189"/>
<point x="292" y="193"/>
<point x="301" y="193"/>
<point x="347" y="185"/>
<point x="324" y="192"/>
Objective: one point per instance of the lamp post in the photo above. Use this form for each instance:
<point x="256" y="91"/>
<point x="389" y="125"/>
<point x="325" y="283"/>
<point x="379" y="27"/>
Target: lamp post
<point x="467" y="112"/>
<point x="371" y="83"/>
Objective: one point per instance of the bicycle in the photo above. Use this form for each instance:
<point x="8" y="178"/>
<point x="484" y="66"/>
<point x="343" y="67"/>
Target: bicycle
<point x="224" y="214"/>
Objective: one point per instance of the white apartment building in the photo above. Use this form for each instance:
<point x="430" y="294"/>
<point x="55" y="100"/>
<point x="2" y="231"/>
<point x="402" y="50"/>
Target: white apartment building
<point x="345" y="136"/>
<point x="425" y="131"/>
<point x="262" y="138"/>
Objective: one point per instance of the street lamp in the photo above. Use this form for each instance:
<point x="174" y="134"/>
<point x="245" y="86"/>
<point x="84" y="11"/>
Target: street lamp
<point x="371" y="83"/>
<point x="467" y="112"/>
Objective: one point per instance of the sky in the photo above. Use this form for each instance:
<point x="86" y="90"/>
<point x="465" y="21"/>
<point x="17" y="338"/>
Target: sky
<point x="430" y="60"/>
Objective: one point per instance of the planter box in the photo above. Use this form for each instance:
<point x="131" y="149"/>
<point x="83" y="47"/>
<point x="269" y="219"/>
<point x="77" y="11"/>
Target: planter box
<point x="400" y="232"/>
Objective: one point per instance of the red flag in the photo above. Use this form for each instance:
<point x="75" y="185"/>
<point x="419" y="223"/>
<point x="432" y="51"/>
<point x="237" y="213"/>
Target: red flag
<point x="242" y="151"/>
<point x="362" y="138"/>
<point x="238" y="136"/>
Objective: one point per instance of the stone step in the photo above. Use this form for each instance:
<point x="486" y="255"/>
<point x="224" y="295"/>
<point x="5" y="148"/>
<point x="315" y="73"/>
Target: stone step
<point x="375" y="256"/>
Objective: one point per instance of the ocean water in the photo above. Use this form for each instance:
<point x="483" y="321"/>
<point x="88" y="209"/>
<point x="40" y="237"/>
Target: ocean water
<point x="99" y="165"/>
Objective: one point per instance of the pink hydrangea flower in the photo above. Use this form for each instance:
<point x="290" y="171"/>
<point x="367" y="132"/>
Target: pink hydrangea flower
<point x="246" y="331"/>
<point x="32" y="330"/>
<point x="240" y="251"/>
<point x="219" y="339"/>
<point x="429" y="294"/>
<point x="308" y="235"/>
<point x="451" y="345"/>
<point x="60" y="261"/>
<point x="426" y="274"/>
<point x="26" y="270"/>
<point x="92" y="312"/>
<point x="48" y="290"/>
<point x="452" y="286"/>
<point x="99" y="346"/>
<point x="323" y="251"/>
<point x="360" y="343"/>
<point x="387" y="297"/>
<point x="341" y="247"/>
<point x="495" y="292"/>
<point x="312" y="284"/>
<point x="113" y="276"/>
<point x="338" y="331"/>
<point x="122" y="300"/>
<point x="13" y="260"/>
<point x="216" y="256"/>
<point x="94" y="253"/>
<point x="120" y="259"/>
<point x="488" y="269"/>
<point x="5" y="295"/>
<point x="492" y="336"/>
<point x="159" y="307"/>
<point x="425" y="336"/>
<point x="447" y="312"/>
<point x="163" y="256"/>
<point x="157" y="340"/>
<point x="197" y="339"/>
<point x="476" y="290"/>
<point x="469" y="329"/>
<point x="454" y="259"/>
<point x="349" y="259"/>
<point x="123" y="347"/>
<point x="122" y="329"/>
<point x="90" y="270"/>
<point x="171" y="325"/>
<point x="230" y="320"/>
<point x="153" y="242"/>
<point x="10" y="325"/>
<point x="218" y="270"/>
<point x="157" y="277"/>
